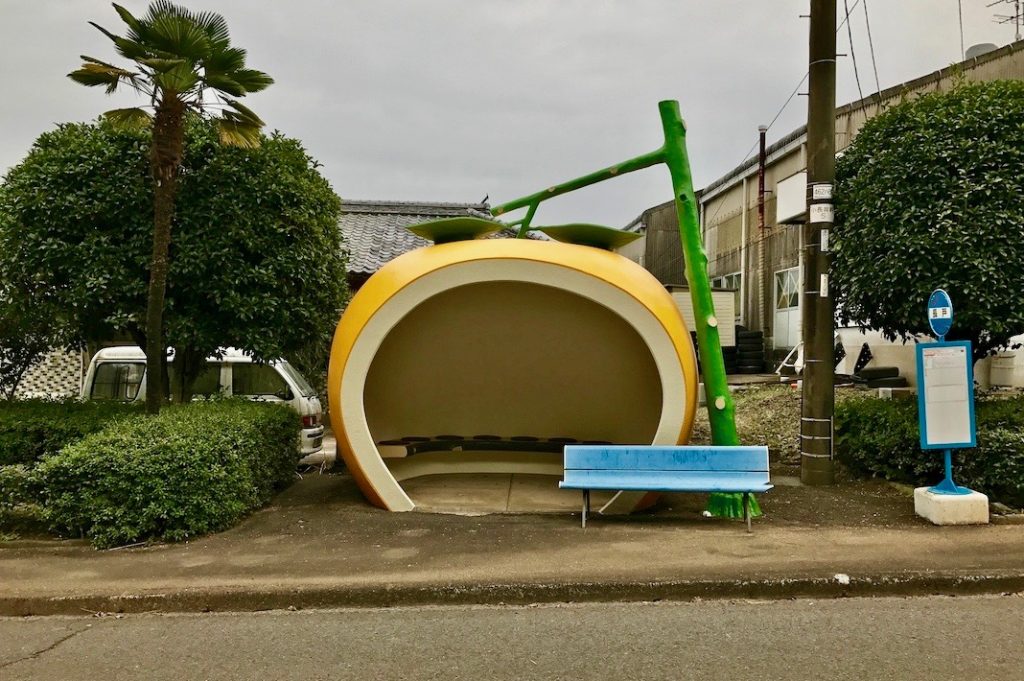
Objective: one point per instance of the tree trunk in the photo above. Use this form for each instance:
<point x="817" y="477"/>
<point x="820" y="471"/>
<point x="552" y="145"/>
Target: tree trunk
<point x="188" y="363"/>
<point x="165" y="160"/>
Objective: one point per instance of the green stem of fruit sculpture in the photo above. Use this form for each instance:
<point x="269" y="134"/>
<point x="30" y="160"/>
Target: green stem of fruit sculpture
<point x="721" y="411"/>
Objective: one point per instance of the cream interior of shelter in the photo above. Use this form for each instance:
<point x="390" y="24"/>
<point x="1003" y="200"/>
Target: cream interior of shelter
<point x="468" y="356"/>
<point x="511" y="359"/>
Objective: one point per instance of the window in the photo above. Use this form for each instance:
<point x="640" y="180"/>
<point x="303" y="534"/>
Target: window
<point x="117" y="381"/>
<point x="208" y="381"/>
<point x="787" y="289"/>
<point x="258" y="379"/>
<point x="735" y="282"/>
<point x="304" y="387"/>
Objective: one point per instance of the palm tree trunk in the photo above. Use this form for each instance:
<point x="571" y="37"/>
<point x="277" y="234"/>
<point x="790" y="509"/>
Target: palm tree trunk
<point x="165" y="160"/>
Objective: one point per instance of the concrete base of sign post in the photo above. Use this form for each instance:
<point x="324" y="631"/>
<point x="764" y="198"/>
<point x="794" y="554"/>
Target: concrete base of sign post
<point x="951" y="509"/>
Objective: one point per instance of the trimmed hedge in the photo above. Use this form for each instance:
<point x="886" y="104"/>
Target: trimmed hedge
<point x="19" y="498"/>
<point x="193" y="469"/>
<point x="32" y="429"/>
<point x="880" y="437"/>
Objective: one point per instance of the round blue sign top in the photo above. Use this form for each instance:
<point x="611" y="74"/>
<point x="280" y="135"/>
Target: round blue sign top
<point x="940" y="312"/>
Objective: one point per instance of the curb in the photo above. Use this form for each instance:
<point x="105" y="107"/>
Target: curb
<point x="388" y="596"/>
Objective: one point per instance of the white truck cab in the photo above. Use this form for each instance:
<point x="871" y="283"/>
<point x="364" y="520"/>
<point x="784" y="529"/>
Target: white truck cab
<point x="119" y="373"/>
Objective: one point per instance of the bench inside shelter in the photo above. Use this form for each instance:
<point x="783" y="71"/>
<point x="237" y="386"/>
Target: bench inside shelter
<point x="653" y="468"/>
<point x="413" y="444"/>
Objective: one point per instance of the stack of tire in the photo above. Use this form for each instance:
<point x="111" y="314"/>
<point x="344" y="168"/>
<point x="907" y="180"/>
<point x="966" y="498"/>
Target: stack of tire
<point x="730" y="354"/>
<point x="749" y="351"/>
<point x="880" y="377"/>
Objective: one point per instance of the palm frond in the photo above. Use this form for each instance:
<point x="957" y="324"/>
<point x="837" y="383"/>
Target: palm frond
<point x="94" y="78"/>
<point x="131" y="49"/>
<point x="178" y="53"/>
<point x="93" y="60"/>
<point x="252" y="80"/>
<point x="243" y="113"/>
<point x="112" y="36"/>
<point x="94" y="73"/>
<point x="129" y="119"/>
<point x="237" y="134"/>
<point x="129" y="19"/>
<point x="224" y="84"/>
<point x="180" y="37"/>
<point x="224" y="60"/>
<point x="181" y="78"/>
<point x="159" y="8"/>
<point x="214" y="24"/>
<point x="161" y="65"/>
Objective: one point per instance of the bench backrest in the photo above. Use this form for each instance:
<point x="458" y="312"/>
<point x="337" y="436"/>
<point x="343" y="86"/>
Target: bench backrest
<point x="678" y="458"/>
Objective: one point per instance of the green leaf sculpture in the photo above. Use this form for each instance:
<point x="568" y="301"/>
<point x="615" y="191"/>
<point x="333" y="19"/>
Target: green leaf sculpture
<point x="597" y="236"/>
<point x="447" y="230"/>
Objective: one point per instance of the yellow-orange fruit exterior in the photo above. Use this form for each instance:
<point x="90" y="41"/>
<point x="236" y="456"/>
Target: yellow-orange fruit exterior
<point x="507" y="334"/>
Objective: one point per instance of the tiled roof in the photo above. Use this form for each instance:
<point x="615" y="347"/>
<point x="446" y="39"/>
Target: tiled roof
<point x="374" y="232"/>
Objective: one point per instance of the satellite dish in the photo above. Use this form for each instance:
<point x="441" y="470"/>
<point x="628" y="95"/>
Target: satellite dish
<point x="980" y="49"/>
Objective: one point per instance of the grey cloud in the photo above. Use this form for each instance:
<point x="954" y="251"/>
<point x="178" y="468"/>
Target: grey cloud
<point x="455" y="99"/>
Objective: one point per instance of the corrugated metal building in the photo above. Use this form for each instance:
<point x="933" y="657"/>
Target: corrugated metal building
<point x="764" y="267"/>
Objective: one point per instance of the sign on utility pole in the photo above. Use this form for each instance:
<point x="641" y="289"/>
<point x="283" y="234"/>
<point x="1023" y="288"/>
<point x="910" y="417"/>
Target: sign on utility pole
<point x="816" y="465"/>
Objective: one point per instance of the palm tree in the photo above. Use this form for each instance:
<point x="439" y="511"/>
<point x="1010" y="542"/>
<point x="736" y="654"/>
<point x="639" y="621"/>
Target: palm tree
<point x="183" y="62"/>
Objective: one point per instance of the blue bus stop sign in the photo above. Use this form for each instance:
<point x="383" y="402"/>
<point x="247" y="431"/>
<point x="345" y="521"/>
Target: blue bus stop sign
<point x="940" y="312"/>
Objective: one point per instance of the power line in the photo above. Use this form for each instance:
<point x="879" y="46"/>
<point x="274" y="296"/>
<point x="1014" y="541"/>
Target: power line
<point x="871" y="44"/>
<point x="847" y="17"/>
<point x="756" y="142"/>
<point x="853" y="55"/>
<point x="789" y="99"/>
<point x="783" y="108"/>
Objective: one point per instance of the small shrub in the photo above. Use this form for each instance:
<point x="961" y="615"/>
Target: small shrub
<point x="32" y="429"/>
<point x="997" y="467"/>
<point x="765" y="415"/>
<point x="193" y="469"/>
<point x="19" y="497"/>
<point x="881" y="437"/>
<point x="770" y="415"/>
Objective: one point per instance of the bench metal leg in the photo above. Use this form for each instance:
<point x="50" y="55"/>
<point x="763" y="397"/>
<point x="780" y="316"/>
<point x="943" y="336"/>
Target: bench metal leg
<point x="586" y="506"/>
<point x="746" y="510"/>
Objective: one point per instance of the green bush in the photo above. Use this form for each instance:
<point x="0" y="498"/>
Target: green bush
<point x="935" y="179"/>
<point x="32" y="429"/>
<point x="193" y="469"/>
<point x="256" y="260"/>
<point x="881" y="437"/>
<point x="19" y="497"/>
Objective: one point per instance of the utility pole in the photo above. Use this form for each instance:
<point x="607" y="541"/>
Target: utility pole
<point x="764" y="285"/>
<point x="816" y="447"/>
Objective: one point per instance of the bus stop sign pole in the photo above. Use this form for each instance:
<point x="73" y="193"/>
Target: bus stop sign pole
<point x="945" y="391"/>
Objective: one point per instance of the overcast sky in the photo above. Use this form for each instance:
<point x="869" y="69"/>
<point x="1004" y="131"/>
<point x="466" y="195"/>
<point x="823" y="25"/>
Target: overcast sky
<point x="451" y="100"/>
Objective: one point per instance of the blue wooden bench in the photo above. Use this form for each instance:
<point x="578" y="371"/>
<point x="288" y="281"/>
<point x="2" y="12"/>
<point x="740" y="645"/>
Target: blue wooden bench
<point x="656" y="468"/>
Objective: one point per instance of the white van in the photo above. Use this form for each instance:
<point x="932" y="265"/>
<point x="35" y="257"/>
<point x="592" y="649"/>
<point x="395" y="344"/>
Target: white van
<point x="119" y="373"/>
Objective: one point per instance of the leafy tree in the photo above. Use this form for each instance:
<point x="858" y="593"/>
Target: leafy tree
<point x="929" y="196"/>
<point x="256" y="262"/>
<point x="183" y="62"/>
<point x="24" y="339"/>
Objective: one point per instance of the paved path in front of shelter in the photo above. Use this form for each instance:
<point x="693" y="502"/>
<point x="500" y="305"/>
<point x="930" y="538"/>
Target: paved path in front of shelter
<point x="321" y="545"/>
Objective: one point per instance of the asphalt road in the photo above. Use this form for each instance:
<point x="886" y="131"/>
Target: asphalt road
<point x="920" y="638"/>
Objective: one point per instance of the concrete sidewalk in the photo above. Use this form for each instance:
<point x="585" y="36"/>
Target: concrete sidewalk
<point x="321" y="545"/>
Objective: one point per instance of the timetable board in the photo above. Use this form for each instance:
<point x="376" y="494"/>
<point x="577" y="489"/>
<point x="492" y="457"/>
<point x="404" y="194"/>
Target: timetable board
<point x="945" y="395"/>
